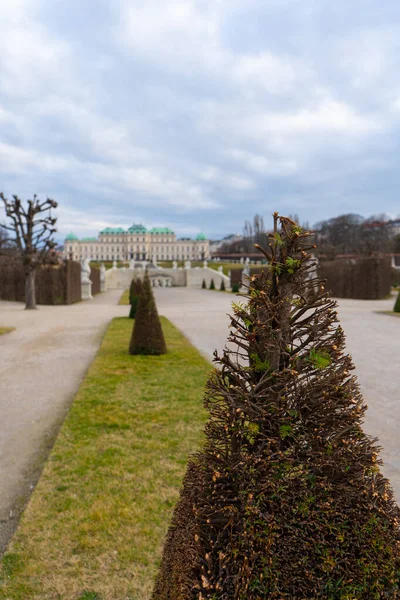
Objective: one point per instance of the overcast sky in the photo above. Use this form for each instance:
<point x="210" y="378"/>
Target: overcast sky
<point x="196" y="114"/>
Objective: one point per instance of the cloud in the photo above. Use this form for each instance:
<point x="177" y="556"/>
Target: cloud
<point x="274" y="74"/>
<point x="325" y="118"/>
<point x="261" y="164"/>
<point x="218" y="176"/>
<point x="183" y="34"/>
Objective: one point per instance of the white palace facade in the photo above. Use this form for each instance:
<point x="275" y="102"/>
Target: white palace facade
<point x="136" y="243"/>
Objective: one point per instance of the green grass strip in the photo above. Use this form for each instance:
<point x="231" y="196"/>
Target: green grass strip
<point x="95" y="524"/>
<point x="124" y="300"/>
<point x="4" y="330"/>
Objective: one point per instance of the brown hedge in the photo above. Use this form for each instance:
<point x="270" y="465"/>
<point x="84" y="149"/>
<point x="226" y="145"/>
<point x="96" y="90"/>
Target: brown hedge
<point x="95" y="279"/>
<point x="54" y="284"/>
<point x="364" y="278"/>
<point x="286" y="501"/>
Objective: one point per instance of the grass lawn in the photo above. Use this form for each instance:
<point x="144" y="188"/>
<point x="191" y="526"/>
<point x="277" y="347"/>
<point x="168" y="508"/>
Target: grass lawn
<point x="197" y="263"/>
<point x="95" y="524"/>
<point x="6" y="330"/>
<point x="124" y="300"/>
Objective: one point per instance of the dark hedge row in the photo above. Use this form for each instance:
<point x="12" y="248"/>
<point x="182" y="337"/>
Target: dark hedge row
<point x="54" y="284"/>
<point x="364" y="278"/>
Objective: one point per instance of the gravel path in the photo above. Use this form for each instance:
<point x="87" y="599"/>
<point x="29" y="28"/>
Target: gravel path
<point x="42" y="365"/>
<point x="373" y="340"/>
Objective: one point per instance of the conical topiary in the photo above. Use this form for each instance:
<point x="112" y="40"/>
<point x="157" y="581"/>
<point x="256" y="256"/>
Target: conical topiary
<point x="132" y="288"/>
<point x="203" y="285"/>
<point x="222" y="286"/>
<point x="147" y="335"/>
<point x="235" y="288"/>
<point x="286" y="500"/>
<point x="212" y="284"/>
<point x="134" y="293"/>
<point x="396" y="307"/>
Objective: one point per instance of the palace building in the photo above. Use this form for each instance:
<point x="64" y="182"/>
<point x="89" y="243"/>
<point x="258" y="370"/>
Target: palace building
<point x="137" y="243"/>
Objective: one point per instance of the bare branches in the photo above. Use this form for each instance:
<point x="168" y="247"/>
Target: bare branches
<point x="32" y="226"/>
<point x="33" y="229"/>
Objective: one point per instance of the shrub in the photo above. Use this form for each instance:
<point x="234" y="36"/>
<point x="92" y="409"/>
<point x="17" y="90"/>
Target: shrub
<point x="222" y="287"/>
<point x="203" y="285"/>
<point x="396" y="307"/>
<point x="147" y="336"/>
<point x="134" y="293"/>
<point x="212" y="285"/>
<point x="286" y="500"/>
<point x="235" y="288"/>
<point x="132" y="289"/>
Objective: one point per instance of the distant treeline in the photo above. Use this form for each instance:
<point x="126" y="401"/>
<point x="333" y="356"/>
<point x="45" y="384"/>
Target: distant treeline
<point x="345" y="234"/>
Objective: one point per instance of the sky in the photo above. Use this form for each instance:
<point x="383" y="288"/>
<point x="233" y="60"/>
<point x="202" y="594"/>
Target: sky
<point x="198" y="114"/>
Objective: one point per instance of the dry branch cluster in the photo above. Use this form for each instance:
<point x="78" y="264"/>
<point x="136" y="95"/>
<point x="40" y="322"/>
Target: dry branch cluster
<point x="286" y="500"/>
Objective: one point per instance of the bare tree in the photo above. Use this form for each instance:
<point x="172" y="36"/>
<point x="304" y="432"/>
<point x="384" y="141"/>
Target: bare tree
<point x="259" y="230"/>
<point x="248" y="230"/>
<point x="33" y="228"/>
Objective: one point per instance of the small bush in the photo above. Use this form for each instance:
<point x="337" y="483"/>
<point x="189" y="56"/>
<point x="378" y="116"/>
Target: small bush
<point x="222" y="287"/>
<point x="235" y="288"/>
<point x="203" y="285"/>
<point x="212" y="285"/>
<point x="147" y="335"/>
<point x="397" y="304"/>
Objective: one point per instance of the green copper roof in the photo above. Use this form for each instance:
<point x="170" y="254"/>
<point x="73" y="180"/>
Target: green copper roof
<point x="161" y="230"/>
<point x="137" y="228"/>
<point x="114" y="230"/>
<point x="201" y="237"/>
<point x="89" y="239"/>
<point x="71" y="237"/>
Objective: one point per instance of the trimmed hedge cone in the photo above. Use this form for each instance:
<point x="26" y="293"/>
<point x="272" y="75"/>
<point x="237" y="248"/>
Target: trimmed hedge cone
<point x="134" y="293"/>
<point x="212" y="284"/>
<point x="396" y="307"/>
<point x="147" y="335"/>
<point x="222" y="286"/>
<point x="203" y="285"/>
<point x="235" y="288"/>
<point x="286" y="500"/>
